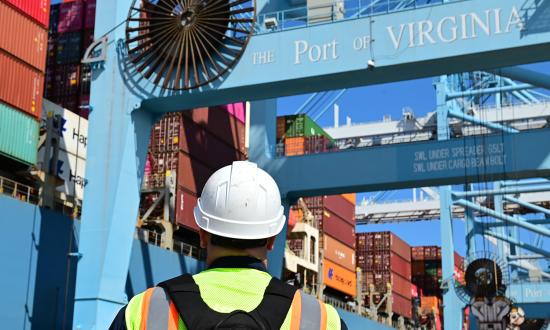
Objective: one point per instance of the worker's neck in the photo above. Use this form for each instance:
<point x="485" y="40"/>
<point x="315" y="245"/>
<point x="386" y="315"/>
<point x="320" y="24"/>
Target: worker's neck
<point x="214" y="253"/>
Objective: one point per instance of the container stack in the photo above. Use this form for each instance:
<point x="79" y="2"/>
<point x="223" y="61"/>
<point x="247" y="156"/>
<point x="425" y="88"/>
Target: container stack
<point x="22" y="64"/>
<point x="300" y="135"/>
<point x="188" y="147"/>
<point x="71" y="32"/>
<point x="427" y="274"/>
<point x="385" y="261"/>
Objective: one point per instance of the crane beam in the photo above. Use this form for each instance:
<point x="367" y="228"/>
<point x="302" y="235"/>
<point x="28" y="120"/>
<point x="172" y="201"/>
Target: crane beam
<point x="457" y="36"/>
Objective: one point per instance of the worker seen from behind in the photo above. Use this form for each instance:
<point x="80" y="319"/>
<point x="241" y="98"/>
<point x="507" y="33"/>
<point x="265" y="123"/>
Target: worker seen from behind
<point x="239" y="214"/>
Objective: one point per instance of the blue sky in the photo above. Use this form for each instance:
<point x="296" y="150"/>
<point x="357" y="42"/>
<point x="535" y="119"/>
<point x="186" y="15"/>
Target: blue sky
<point x="371" y="103"/>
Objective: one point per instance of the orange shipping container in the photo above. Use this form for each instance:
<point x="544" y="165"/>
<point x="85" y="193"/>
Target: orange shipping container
<point x="339" y="278"/>
<point x="350" y="197"/>
<point x="429" y="304"/>
<point x="295" y="146"/>
<point x="21" y="85"/>
<point x="29" y="42"/>
<point x="339" y="253"/>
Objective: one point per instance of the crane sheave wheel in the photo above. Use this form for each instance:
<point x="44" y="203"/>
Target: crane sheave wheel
<point x="483" y="278"/>
<point x="185" y="44"/>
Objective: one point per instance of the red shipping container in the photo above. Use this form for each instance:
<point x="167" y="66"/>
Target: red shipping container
<point x="417" y="267"/>
<point x="219" y="122"/>
<point x="417" y="253"/>
<point x="387" y="260"/>
<point x="237" y="110"/>
<point x="185" y="204"/>
<point x="281" y="127"/>
<point x="205" y="146"/>
<point x="402" y="305"/>
<point x="316" y="144"/>
<point x="340" y="206"/>
<point x="22" y="86"/>
<point x="38" y="10"/>
<point x="71" y="16"/>
<point x="192" y="174"/>
<point x="29" y="43"/>
<point x="89" y="18"/>
<point x="338" y="228"/>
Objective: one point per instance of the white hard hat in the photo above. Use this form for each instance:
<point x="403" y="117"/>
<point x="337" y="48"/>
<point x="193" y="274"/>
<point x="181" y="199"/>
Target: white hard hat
<point x="240" y="201"/>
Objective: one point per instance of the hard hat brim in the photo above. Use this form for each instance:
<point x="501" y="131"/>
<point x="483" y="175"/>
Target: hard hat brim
<point x="238" y="229"/>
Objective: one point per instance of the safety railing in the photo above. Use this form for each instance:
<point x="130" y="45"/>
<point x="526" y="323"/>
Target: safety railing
<point x="335" y="11"/>
<point x="189" y="250"/>
<point x="19" y="191"/>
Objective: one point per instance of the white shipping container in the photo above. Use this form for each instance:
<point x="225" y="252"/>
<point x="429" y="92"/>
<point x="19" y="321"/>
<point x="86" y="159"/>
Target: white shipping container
<point x="74" y="129"/>
<point x="72" y="170"/>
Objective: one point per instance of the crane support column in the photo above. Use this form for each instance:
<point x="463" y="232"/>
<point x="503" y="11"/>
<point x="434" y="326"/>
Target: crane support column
<point x="452" y="305"/>
<point x="118" y="139"/>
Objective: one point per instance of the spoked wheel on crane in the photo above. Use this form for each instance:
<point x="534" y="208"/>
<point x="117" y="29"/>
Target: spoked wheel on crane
<point x="182" y="45"/>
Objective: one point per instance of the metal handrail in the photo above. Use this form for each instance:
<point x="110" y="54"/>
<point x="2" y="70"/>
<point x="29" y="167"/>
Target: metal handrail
<point x="351" y="9"/>
<point x="18" y="190"/>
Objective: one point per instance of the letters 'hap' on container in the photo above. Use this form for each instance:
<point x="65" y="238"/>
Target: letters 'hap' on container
<point x="74" y="129"/>
<point x="21" y="85"/>
<point x="339" y="253"/>
<point x="38" y="10"/>
<point x="23" y="37"/>
<point x="18" y="135"/>
<point x="339" y="278"/>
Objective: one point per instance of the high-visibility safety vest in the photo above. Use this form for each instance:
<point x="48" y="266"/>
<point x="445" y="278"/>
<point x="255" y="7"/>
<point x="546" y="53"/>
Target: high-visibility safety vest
<point x="225" y="290"/>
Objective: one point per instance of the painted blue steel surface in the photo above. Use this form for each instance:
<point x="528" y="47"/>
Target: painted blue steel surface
<point x="396" y="57"/>
<point x="452" y="305"/>
<point x="36" y="277"/>
<point x="150" y="265"/>
<point x="353" y="321"/>
<point x="534" y="298"/>
<point x="403" y="166"/>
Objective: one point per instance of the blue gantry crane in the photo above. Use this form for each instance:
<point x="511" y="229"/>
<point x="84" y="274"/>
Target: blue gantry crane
<point x="297" y="47"/>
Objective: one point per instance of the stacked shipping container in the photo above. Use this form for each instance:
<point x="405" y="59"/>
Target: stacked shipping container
<point x="385" y="261"/>
<point x="298" y="135"/>
<point x="426" y="271"/>
<point x="71" y="32"/>
<point x="22" y="63"/>
<point x="189" y="147"/>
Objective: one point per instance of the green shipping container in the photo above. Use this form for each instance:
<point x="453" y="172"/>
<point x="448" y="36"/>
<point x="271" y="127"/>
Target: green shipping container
<point x="302" y="125"/>
<point x="18" y="135"/>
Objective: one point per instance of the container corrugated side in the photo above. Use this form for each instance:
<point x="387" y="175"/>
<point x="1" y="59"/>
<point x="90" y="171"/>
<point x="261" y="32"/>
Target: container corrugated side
<point x="29" y="42"/>
<point x="203" y="145"/>
<point x="339" y="278"/>
<point x="21" y="86"/>
<point x="38" y="10"/>
<point x="220" y="123"/>
<point x="192" y="174"/>
<point x="341" y="206"/>
<point x="71" y="16"/>
<point x="338" y="228"/>
<point x="18" y="135"/>
<point x="185" y="204"/>
<point x="339" y="253"/>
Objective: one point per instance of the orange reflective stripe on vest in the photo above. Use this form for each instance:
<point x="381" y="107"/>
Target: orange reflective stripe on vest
<point x="145" y="308"/>
<point x="173" y="318"/>
<point x="296" y="311"/>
